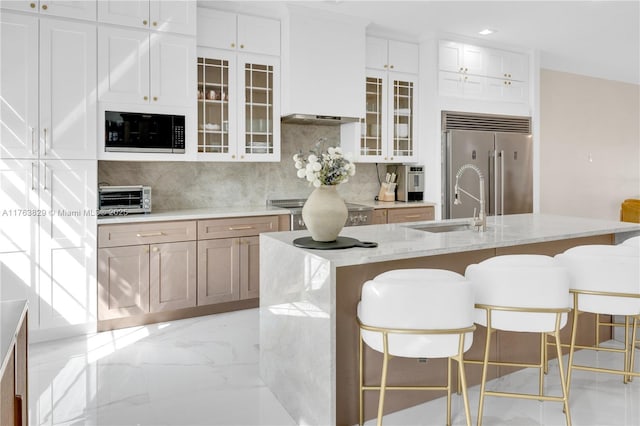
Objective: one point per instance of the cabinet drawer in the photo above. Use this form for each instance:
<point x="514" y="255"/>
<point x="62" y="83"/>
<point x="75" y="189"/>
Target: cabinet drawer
<point x="236" y="227"/>
<point x="412" y="214"/>
<point x="145" y="233"/>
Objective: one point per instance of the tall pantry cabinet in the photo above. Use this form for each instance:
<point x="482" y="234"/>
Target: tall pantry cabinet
<point x="48" y="167"/>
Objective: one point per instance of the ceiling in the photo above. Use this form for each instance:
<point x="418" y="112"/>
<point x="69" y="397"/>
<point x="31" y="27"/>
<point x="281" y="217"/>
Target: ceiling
<point x="595" y="38"/>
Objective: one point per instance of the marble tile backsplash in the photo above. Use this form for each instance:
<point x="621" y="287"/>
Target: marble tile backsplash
<point x="187" y="185"/>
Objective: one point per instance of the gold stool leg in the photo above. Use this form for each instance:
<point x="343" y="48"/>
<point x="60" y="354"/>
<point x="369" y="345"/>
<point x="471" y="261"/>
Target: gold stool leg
<point x="463" y="380"/>
<point x="626" y="379"/>
<point x="484" y="368"/>
<point x="574" y="329"/>
<point x="448" y="391"/>
<point x="597" y="330"/>
<point x="546" y="355"/>
<point x="383" y="381"/>
<point x="361" y="382"/>
<point x="634" y="339"/>
<point x="563" y="383"/>
<point x="543" y="362"/>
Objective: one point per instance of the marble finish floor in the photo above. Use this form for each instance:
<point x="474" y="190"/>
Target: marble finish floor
<point x="204" y="371"/>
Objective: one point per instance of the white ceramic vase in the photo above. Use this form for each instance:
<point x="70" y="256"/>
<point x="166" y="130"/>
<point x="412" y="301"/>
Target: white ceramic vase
<point x="324" y="213"/>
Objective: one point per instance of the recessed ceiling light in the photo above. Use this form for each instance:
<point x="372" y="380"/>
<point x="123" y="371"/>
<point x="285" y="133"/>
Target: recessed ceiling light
<point x="486" y="31"/>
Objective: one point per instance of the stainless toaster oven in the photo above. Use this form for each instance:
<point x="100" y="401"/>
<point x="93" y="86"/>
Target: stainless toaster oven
<point x="124" y="199"/>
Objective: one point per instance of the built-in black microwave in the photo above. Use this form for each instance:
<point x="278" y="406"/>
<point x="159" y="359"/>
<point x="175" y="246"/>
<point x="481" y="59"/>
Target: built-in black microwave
<point x="142" y="132"/>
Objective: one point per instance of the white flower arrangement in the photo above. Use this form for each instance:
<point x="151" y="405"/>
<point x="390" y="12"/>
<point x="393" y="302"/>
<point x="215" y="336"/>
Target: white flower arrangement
<point x="331" y="167"/>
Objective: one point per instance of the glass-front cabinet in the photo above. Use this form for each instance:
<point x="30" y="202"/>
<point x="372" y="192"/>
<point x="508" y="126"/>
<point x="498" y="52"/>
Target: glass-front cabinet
<point x="388" y="130"/>
<point x="238" y="110"/>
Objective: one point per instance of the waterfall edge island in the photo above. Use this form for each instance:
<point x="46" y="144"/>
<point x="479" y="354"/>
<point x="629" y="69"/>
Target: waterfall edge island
<point x="308" y="298"/>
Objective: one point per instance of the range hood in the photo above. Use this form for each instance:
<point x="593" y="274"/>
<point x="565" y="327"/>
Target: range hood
<point x="323" y="63"/>
<point x="324" y="120"/>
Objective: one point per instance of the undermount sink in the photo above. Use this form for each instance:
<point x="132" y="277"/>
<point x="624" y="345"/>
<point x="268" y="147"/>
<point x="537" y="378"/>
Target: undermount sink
<point x="444" y="227"/>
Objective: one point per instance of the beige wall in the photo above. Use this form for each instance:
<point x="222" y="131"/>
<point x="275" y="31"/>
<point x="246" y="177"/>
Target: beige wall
<point x="589" y="145"/>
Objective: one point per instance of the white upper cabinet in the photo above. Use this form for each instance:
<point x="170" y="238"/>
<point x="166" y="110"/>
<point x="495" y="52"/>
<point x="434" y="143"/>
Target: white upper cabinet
<point x="78" y="9"/>
<point x="67" y="90"/>
<point x="243" y="33"/>
<point x="483" y="73"/>
<point x="49" y="101"/>
<point x="507" y="65"/>
<point x="19" y="86"/>
<point x="144" y="67"/>
<point x="463" y="58"/>
<point x="161" y="15"/>
<point x="393" y="55"/>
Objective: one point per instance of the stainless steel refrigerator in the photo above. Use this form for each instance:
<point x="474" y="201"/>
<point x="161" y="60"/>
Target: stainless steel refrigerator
<point x="505" y="160"/>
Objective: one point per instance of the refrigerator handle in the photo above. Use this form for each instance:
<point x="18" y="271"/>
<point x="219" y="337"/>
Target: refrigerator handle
<point x="493" y="183"/>
<point x="502" y="182"/>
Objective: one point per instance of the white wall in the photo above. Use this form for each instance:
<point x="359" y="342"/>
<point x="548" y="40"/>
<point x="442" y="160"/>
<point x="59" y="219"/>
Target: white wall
<point x="589" y="144"/>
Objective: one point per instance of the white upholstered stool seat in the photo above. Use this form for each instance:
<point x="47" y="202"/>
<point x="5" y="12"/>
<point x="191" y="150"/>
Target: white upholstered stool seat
<point x="632" y="242"/>
<point x="605" y="280"/>
<point x="521" y="293"/>
<point x="417" y="313"/>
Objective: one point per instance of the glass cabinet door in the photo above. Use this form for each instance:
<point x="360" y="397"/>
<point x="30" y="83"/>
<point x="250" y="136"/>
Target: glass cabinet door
<point x="258" y="109"/>
<point x="213" y="105"/>
<point x="403" y="100"/>
<point x="373" y="126"/>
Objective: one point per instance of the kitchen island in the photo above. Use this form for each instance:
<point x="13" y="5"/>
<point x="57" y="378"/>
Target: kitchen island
<point x="308" y="299"/>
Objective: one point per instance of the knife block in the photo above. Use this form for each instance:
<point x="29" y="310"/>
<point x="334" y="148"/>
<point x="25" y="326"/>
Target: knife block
<point x="387" y="192"/>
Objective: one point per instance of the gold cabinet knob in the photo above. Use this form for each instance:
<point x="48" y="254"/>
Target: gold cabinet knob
<point x="146" y="98"/>
<point x="155" y="98"/>
<point x="155" y="24"/>
<point x="385" y="66"/>
<point x="242" y="157"/>
<point x="461" y="69"/>
<point x="45" y="7"/>
<point x="391" y="67"/>
<point x="146" y="249"/>
<point x="466" y="69"/>
<point x="465" y="78"/>
<point x="509" y="75"/>
<point x="233" y="45"/>
<point x="233" y="157"/>
<point x="391" y="158"/>
<point x="505" y="82"/>
<point x="32" y="5"/>
<point x="242" y="46"/>
<point x="509" y="83"/>
<point x="144" y="22"/>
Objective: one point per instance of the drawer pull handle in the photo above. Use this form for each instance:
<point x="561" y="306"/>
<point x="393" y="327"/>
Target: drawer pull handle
<point x="411" y="216"/>
<point x="150" y="234"/>
<point x="239" y="228"/>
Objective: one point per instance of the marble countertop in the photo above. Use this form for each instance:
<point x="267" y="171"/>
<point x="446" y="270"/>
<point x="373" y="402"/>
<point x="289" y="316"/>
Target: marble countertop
<point x="401" y="241"/>
<point x="11" y="313"/>
<point x="224" y="212"/>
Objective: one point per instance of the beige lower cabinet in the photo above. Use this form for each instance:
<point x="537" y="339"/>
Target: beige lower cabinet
<point x="157" y="271"/>
<point x="123" y="281"/>
<point x="229" y="262"/>
<point x="403" y="214"/>
<point x="379" y="217"/>
<point x="139" y="278"/>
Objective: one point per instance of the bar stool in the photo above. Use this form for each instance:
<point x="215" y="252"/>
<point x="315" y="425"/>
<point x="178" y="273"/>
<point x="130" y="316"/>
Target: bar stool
<point x="417" y="313"/>
<point x="521" y="293"/>
<point x="632" y="242"/>
<point x="605" y="280"/>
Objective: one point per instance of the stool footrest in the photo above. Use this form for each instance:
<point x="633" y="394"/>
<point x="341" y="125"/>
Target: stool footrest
<point x="525" y="396"/>
<point x="406" y="388"/>
<point x="605" y="370"/>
